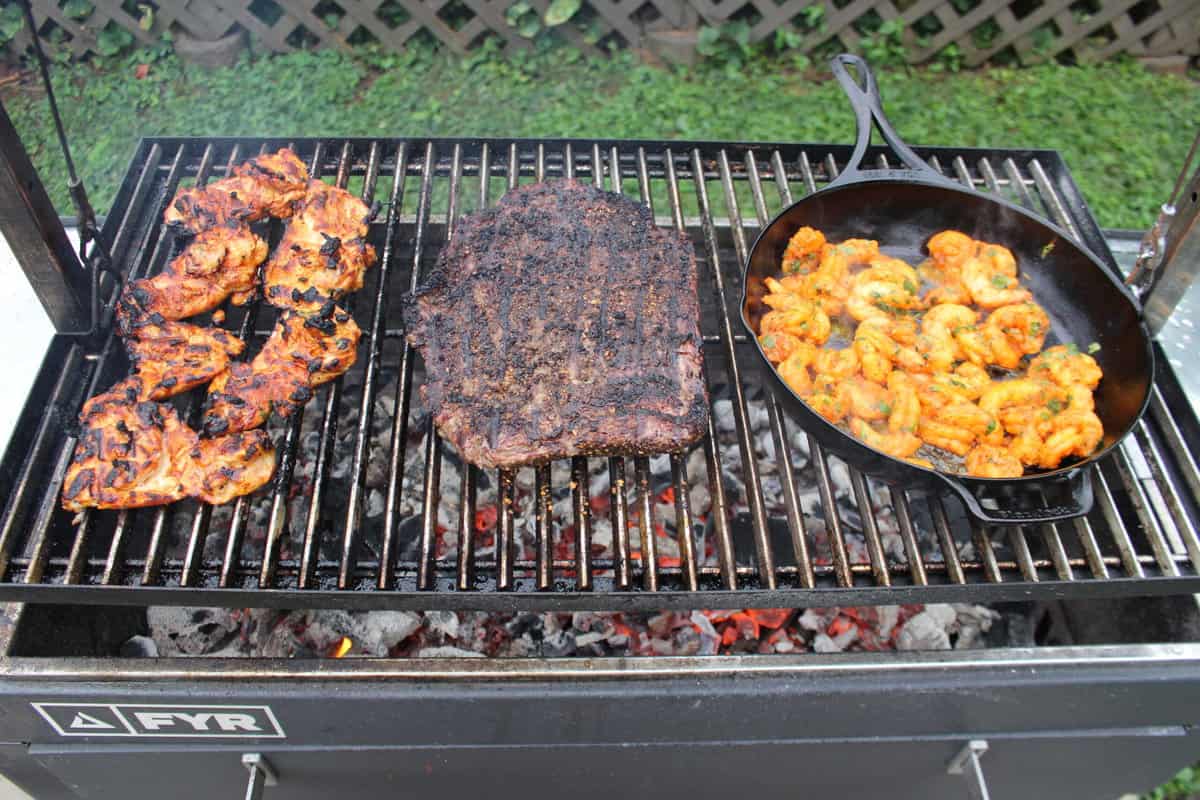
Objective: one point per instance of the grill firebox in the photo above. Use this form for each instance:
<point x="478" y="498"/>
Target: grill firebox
<point x="369" y="509"/>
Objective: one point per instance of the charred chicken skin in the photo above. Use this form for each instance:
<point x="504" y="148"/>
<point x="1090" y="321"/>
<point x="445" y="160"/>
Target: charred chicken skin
<point x="134" y="452"/>
<point x="174" y="357"/>
<point x="267" y="186"/>
<point x="302" y="353"/>
<point x="219" y="262"/>
<point x="324" y="252"/>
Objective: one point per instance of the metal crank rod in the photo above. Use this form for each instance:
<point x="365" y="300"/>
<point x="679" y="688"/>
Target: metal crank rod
<point x="97" y="258"/>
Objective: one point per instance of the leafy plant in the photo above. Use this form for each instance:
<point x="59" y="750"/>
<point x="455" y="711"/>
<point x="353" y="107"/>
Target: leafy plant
<point x="112" y="39"/>
<point x="560" y="11"/>
<point x="813" y="17"/>
<point x="949" y="59"/>
<point x="145" y="16"/>
<point x="885" y="47"/>
<point x="78" y="9"/>
<point x="12" y="19"/>
<point x="727" y="45"/>
<point x="1183" y="786"/>
<point x="521" y="15"/>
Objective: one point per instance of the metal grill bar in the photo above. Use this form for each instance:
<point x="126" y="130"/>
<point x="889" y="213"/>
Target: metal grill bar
<point x="791" y="502"/>
<point x="1145" y="494"/>
<point x="716" y="486"/>
<point x="391" y="518"/>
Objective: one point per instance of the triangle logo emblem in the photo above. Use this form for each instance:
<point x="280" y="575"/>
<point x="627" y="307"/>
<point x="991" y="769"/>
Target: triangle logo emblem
<point x="86" y="722"/>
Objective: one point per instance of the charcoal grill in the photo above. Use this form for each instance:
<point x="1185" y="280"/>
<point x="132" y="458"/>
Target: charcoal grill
<point x="1100" y="713"/>
<point x="1140" y="539"/>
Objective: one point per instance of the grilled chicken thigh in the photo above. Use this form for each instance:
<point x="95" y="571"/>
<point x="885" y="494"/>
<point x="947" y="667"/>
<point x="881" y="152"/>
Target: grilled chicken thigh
<point x="324" y="252"/>
<point x="134" y="452"/>
<point x="302" y="353"/>
<point x="174" y="357"/>
<point x="265" y="186"/>
<point x="219" y="262"/>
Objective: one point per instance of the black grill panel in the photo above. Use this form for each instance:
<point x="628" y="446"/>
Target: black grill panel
<point x="352" y="520"/>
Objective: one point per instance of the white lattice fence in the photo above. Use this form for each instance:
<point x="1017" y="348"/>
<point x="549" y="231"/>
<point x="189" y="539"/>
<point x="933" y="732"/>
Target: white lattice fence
<point x="1025" y="30"/>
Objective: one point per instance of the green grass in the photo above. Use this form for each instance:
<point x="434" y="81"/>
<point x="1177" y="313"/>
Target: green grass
<point x="1122" y="129"/>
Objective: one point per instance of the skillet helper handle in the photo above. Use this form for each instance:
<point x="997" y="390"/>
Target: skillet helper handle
<point x="863" y="93"/>
<point x="1051" y="499"/>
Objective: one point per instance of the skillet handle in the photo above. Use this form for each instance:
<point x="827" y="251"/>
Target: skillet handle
<point x="863" y="94"/>
<point x="1052" y="499"/>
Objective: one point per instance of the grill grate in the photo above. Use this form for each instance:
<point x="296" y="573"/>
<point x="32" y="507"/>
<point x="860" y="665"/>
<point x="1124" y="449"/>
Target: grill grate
<point x="370" y="509"/>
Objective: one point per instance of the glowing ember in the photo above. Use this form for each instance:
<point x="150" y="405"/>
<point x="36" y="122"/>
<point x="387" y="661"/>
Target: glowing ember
<point x="342" y="647"/>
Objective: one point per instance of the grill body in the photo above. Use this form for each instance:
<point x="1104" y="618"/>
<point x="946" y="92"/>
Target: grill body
<point x="1086" y="722"/>
<point x="327" y="534"/>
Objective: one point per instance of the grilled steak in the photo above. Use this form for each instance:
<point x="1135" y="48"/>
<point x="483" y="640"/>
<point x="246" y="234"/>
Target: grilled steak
<point x="561" y="322"/>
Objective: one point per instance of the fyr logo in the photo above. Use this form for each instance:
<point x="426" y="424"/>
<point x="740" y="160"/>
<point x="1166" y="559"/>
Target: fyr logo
<point x="190" y="721"/>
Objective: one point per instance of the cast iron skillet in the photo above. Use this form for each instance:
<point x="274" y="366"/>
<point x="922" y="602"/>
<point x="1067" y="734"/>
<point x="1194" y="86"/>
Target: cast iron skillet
<point x="902" y="209"/>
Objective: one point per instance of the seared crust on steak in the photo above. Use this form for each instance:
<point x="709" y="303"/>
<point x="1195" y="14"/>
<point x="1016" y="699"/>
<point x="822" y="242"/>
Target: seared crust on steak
<point x="561" y="322"/>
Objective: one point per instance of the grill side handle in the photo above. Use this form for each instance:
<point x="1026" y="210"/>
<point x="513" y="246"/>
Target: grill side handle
<point x="32" y="228"/>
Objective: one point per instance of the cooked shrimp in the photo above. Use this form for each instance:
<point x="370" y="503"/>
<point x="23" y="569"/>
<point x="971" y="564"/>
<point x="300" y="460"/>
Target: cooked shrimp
<point x="864" y="398"/>
<point x="859" y="251"/>
<point x="968" y="416"/>
<point x="889" y="270"/>
<point x="882" y="299"/>
<point x="932" y="353"/>
<point x="803" y="250"/>
<point x="1026" y="447"/>
<point x="1017" y="392"/>
<point x="968" y="380"/>
<point x="1015" y="331"/>
<point x="900" y="444"/>
<point x="836" y="363"/>
<point x="778" y="346"/>
<point x="804" y="321"/>
<point x="947" y="437"/>
<point x="906" y="408"/>
<point x="990" y="285"/>
<point x="958" y="324"/>
<point x="992" y="461"/>
<point x="827" y="290"/>
<point x="1075" y="433"/>
<point x="1066" y="366"/>
<point x="794" y="371"/>
<point x="947" y="318"/>
<point x="951" y="248"/>
<point x="781" y="299"/>
<point x="827" y="405"/>
<point x="876" y="349"/>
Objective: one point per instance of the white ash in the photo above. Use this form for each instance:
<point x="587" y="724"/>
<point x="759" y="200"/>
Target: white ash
<point x="321" y="634"/>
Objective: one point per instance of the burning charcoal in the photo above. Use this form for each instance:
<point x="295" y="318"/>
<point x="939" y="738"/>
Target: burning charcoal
<point x="822" y="643"/>
<point x="190" y="631"/>
<point x="375" y="503"/>
<point x="660" y="465"/>
<point x="443" y="622"/>
<point x="408" y="538"/>
<point x="390" y="628"/>
<point x="139" y="647"/>
<point x="723" y="416"/>
<point x="447" y="652"/>
<point x="971" y="622"/>
<point x="928" y="630"/>
<point x="583" y="640"/>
